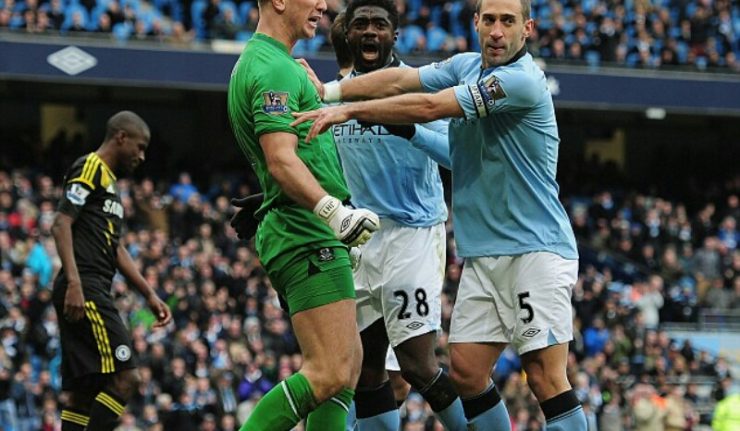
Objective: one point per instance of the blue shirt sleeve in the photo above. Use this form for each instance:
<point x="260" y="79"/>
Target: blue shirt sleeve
<point x="432" y="139"/>
<point x="504" y="90"/>
<point x="444" y="74"/>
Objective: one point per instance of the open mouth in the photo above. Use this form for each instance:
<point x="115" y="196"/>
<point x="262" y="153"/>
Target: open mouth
<point x="314" y="21"/>
<point x="370" y="51"/>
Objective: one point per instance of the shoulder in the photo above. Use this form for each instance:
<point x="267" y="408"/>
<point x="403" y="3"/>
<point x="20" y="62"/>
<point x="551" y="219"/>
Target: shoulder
<point x="458" y="61"/>
<point x="84" y="170"/>
<point x="278" y="72"/>
<point x="522" y="79"/>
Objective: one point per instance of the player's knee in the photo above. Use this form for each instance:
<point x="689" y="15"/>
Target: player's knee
<point x="468" y="380"/>
<point x="545" y="383"/>
<point x="330" y="377"/>
<point x="330" y="383"/>
<point x="418" y="364"/>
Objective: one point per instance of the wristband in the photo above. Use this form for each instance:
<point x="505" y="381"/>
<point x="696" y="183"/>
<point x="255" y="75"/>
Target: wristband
<point x="332" y="92"/>
<point x="326" y="207"/>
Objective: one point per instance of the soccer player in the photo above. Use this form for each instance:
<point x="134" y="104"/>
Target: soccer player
<point x="521" y="259"/>
<point x="399" y="279"/>
<point x="304" y="228"/>
<point x="97" y="366"/>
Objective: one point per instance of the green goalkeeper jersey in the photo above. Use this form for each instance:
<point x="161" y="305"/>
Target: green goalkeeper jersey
<point x="266" y="87"/>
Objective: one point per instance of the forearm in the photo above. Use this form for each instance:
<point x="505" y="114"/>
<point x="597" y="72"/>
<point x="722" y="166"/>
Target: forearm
<point x="296" y="180"/>
<point x="289" y="171"/>
<point x="127" y="267"/>
<point x="407" y="108"/>
<point x="62" y="232"/>
<point x="382" y="83"/>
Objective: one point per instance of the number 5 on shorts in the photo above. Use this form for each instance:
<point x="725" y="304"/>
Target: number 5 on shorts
<point x="524" y="306"/>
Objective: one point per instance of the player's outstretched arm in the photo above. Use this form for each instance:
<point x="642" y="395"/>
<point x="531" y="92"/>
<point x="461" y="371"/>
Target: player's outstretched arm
<point x="403" y="109"/>
<point x="375" y="85"/>
<point x="128" y="269"/>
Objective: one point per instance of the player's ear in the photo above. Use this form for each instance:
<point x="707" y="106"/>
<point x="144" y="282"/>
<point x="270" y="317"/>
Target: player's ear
<point x="528" y="28"/>
<point x="395" y="35"/>
<point x="120" y="136"/>
<point x="279" y="5"/>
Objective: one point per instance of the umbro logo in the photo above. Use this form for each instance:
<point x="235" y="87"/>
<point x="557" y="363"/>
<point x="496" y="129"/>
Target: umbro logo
<point x="345" y="223"/>
<point x="72" y="60"/>
<point x="414" y="325"/>
<point x="531" y="332"/>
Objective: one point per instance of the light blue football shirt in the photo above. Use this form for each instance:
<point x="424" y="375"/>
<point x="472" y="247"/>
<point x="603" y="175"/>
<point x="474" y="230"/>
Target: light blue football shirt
<point x="504" y="158"/>
<point x="393" y="176"/>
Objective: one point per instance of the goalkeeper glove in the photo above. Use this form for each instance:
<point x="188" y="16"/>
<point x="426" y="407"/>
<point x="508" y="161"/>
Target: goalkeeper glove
<point x="355" y="257"/>
<point x="243" y="221"/>
<point x="351" y="226"/>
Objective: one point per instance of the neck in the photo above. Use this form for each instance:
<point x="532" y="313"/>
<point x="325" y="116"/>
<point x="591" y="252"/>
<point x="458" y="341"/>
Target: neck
<point x="277" y="31"/>
<point x="519" y="54"/>
<point x="106" y="154"/>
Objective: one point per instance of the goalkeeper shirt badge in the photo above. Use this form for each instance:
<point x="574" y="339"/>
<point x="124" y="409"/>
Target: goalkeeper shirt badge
<point x="326" y="255"/>
<point x="276" y="102"/>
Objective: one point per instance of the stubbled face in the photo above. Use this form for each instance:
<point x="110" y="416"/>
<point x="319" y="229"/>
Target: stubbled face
<point x="133" y="145"/>
<point x="370" y="36"/>
<point x="305" y="16"/>
<point x="502" y="30"/>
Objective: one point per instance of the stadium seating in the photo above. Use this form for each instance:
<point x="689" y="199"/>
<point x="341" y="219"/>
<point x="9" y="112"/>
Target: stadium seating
<point x="429" y="27"/>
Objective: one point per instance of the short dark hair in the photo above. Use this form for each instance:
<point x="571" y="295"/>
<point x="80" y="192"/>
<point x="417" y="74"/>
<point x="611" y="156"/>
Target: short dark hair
<point x="388" y="5"/>
<point x="338" y="38"/>
<point x="127" y="121"/>
<point x="526" y="8"/>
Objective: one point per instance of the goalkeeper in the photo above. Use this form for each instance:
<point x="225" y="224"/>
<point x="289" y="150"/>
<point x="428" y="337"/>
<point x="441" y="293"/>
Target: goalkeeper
<point x="304" y="230"/>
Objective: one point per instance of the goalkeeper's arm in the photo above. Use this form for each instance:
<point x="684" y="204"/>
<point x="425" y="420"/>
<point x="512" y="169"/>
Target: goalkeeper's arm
<point x="351" y="226"/>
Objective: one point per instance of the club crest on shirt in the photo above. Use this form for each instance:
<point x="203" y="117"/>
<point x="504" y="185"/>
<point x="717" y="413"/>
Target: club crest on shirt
<point x="276" y="102"/>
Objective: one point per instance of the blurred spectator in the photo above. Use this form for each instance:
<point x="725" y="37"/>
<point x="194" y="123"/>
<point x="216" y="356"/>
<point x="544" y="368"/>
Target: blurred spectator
<point x="184" y="189"/>
<point x="727" y="414"/>
<point x="648" y="408"/>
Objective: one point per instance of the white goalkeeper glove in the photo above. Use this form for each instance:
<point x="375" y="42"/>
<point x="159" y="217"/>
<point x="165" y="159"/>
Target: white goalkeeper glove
<point x="351" y="226"/>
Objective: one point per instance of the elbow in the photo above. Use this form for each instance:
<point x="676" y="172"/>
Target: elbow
<point x="56" y="227"/>
<point x="278" y="167"/>
<point x="429" y="110"/>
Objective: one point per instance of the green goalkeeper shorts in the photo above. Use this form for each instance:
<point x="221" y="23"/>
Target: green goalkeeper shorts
<point x="313" y="279"/>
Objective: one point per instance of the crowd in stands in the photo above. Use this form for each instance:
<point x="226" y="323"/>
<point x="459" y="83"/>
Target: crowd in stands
<point x="230" y="342"/>
<point x="651" y="34"/>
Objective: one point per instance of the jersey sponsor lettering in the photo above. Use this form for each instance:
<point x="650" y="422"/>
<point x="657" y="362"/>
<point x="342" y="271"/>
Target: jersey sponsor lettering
<point x="344" y="129"/>
<point x="113" y="207"/>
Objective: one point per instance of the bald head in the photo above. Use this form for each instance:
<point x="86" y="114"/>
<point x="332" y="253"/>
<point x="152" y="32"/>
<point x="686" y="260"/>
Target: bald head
<point x="128" y="122"/>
